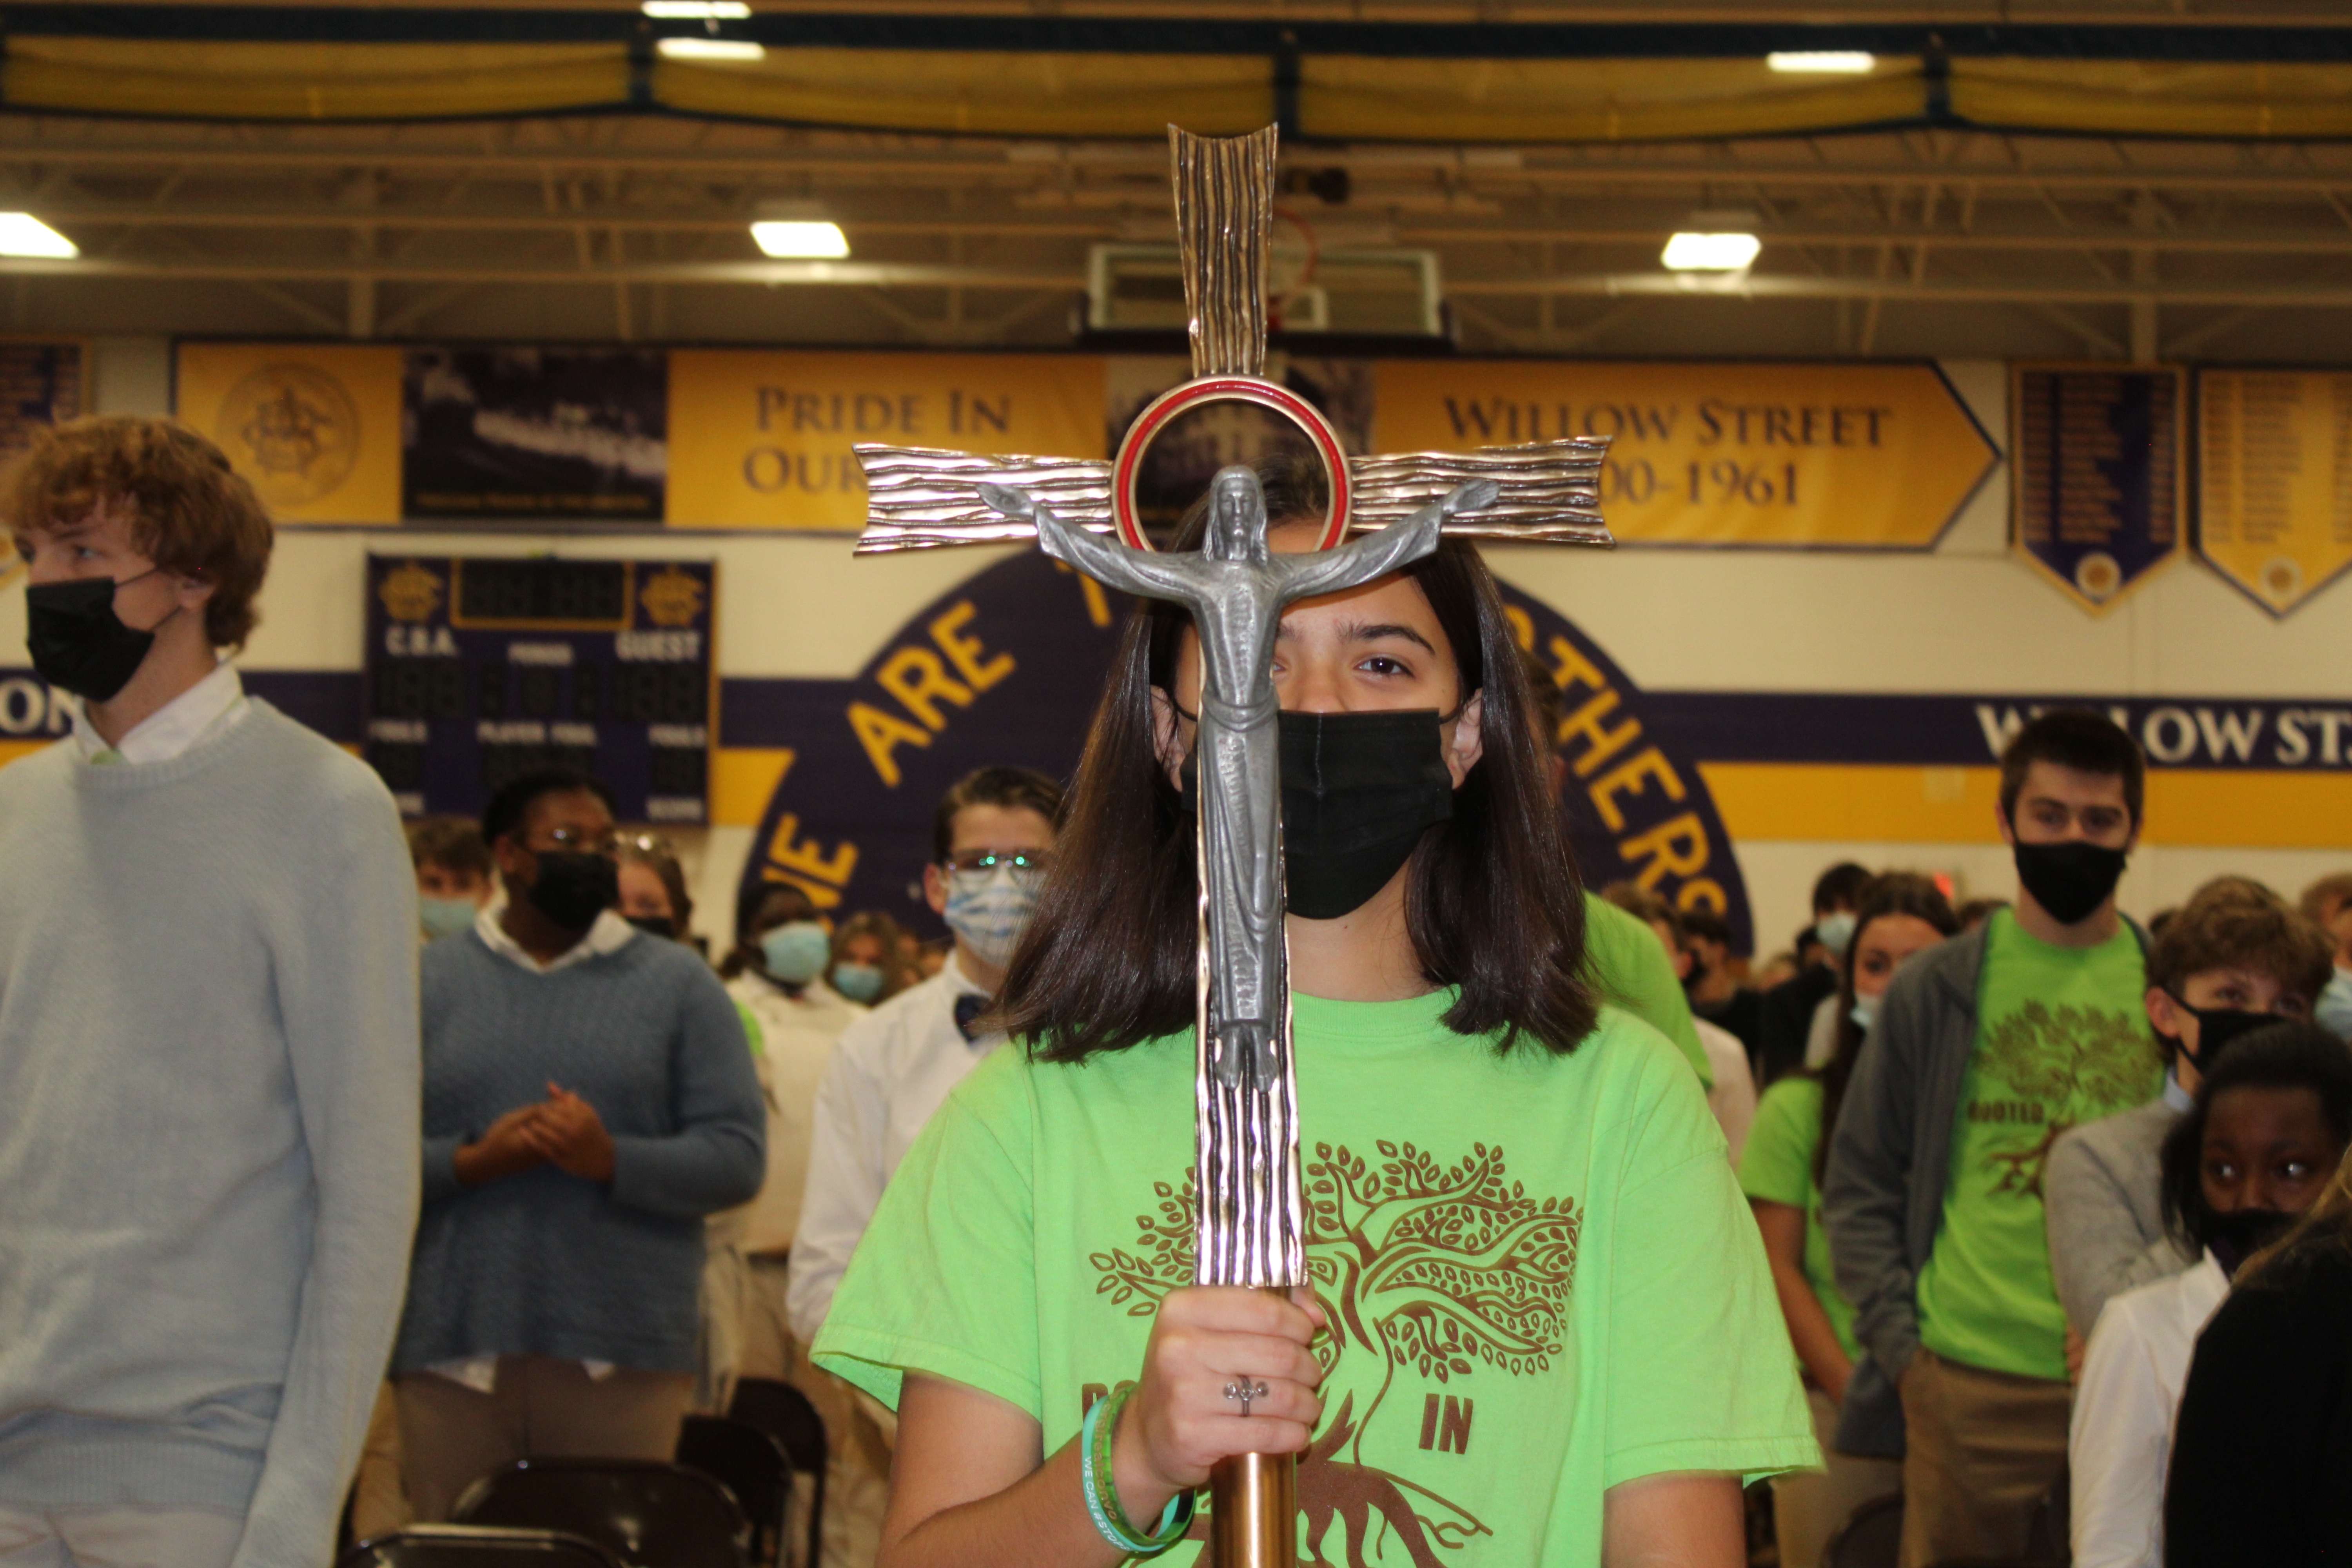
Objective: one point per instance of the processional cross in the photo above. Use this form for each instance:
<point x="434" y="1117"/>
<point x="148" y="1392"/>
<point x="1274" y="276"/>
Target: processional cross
<point x="1251" y="1225"/>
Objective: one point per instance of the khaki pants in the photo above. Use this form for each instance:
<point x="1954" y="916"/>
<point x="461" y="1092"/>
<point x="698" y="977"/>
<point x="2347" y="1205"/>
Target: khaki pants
<point x="859" y="1431"/>
<point x="540" y="1408"/>
<point x="1806" y="1507"/>
<point x="1982" y="1448"/>
<point x="379" y="1503"/>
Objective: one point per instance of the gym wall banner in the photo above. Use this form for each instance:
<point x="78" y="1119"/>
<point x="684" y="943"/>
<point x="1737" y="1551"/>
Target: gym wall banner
<point x="2095" y="500"/>
<point x="41" y="383"/>
<point x="1007" y="668"/>
<point x="2274" y="481"/>
<point x="314" y="427"/>
<point x="1850" y="456"/>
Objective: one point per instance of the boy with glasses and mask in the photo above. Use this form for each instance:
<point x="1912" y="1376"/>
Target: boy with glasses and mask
<point x="1986" y="1047"/>
<point x="2234" y="959"/>
<point x="991" y="838"/>
<point x="208" y="1043"/>
<point x="589" y="1098"/>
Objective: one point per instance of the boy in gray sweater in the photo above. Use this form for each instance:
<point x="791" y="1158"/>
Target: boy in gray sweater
<point x="209" y="1045"/>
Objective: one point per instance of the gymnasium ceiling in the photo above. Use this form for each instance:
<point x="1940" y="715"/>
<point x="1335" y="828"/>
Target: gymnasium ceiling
<point x="1924" y="234"/>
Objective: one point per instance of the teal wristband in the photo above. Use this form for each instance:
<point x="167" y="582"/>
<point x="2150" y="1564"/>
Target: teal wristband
<point x="1102" y="1499"/>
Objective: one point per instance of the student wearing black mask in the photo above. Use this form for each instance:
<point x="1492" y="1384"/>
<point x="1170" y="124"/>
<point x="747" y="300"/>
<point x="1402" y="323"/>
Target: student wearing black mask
<point x="1035" y="1246"/>
<point x="1985" y="1049"/>
<point x="589" y="1098"/>
<point x="2254" y="1150"/>
<point x="2232" y="959"/>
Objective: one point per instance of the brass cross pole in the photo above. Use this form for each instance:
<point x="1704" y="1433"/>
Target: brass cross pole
<point x="1250" y="1226"/>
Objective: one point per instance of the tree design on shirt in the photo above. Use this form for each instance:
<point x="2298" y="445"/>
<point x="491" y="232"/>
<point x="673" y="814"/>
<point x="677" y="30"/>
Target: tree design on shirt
<point x="2064" y="1061"/>
<point x="1435" y="1269"/>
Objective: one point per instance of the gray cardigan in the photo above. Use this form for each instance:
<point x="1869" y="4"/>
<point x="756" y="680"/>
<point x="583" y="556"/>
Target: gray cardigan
<point x="2106" y="1224"/>
<point x="1890" y="1154"/>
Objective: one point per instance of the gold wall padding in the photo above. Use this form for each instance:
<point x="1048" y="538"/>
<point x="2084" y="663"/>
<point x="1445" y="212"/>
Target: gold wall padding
<point x="1591" y="100"/>
<point x="181" y="80"/>
<point x="2154" y="99"/>
<point x="981" y="92"/>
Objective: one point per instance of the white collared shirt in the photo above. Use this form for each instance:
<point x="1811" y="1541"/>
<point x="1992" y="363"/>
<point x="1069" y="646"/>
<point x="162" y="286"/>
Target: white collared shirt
<point x="168" y="732"/>
<point x="891" y="1070"/>
<point x="609" y="934"/>
<point x="2120" y="1442"/>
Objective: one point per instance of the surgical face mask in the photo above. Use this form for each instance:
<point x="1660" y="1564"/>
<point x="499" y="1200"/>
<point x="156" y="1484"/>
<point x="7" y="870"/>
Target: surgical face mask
<point x="2216" y="1027"/>
<point x="796" y="954"/>
<point x="2240" y="1234"/>
<point x="1835" y="930"/>
<point x="858" y="981"/>
<point x="77" y="641"/>
<point x="446" y="917"/>
<point x="573" y="887"/>
<point x="2334" y="1013"/>
<point x="1865" y="1012"/>
<point x="988" y="910"/>
<point x="2070" y="880"/>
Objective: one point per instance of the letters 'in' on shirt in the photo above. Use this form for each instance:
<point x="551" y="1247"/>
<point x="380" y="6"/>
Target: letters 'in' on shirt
<point x="1777" y="1166"/>
<point x="2060" y="1040"/>
<point x="1540" y="1276"/>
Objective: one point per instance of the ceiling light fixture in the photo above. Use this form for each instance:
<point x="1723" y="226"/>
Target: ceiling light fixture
<point x="1814" y="62"/>
<point x="697" y="10"/>
<point x="22" y="234"/>
<point x="1710" y="252"/>
<point x="800" y="238"/>
<point x="709" y="49"/>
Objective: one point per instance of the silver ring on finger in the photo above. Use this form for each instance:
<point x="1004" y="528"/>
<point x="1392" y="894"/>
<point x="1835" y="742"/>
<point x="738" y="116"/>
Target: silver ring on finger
<point x="1244" y="1392"/>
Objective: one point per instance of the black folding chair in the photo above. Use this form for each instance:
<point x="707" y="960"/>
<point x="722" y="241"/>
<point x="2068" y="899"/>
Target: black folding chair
<point x="784" y="1413"/>
<point x="645" y="1513"/>
<point x="750" y="1464"/>
<point x="477" y="1546"/>
<point x="1870" y="1537"/>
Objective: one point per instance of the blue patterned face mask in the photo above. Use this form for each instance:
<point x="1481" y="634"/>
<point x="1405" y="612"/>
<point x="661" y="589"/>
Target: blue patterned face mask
<point x="446" y="917"/>
<point x="858" y="981"/>
<point x="989" y="910"/>
<point x="2334" y="1013"/>
<point x="796" y="954"/>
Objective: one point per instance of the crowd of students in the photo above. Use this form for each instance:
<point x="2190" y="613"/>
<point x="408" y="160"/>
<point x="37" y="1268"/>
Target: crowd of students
<point x="2046" y="1216"/>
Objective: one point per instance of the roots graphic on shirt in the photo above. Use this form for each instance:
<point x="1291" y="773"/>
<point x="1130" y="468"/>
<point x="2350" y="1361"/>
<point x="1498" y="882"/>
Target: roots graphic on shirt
<point x="2056" y="1062"/>
<point x="1436" y="1268"/>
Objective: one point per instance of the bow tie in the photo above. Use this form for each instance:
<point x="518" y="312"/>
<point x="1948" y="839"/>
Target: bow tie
<point x="967" y="1008"/>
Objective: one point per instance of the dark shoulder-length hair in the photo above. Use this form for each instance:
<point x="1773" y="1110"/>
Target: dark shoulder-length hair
<point x="1896" y="893"/>
<point x="1493" y="902"/>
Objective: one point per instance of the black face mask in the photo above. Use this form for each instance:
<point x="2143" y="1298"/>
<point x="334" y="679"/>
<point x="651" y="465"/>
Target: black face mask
<point x="2069" y="879"/>
<point x="78" y="642"/>
<point x="655" y="925"/>
<point x="2240" y="1234"/>
<point x="2216" y="1027"/>
<point x="574" y="887"/>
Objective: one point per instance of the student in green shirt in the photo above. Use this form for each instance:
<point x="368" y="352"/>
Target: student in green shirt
<point x="1540" y="1330"/>
<point x="1985" y="1051"/>
<point x="1781" y="1170"/>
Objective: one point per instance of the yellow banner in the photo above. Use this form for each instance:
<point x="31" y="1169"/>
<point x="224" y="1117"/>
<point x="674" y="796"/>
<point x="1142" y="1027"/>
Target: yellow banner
<point x="763" y="439"/>
<point x="1870" y="457"/>
<point x="2275" y="482"/>
<point x="316" y="428"/>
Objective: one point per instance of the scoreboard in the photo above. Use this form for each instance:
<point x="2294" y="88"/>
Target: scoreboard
<point x="481" y="669"/>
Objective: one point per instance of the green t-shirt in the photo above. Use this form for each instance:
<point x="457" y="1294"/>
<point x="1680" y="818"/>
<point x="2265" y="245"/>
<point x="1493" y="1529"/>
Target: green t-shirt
<point x="2060" y="1040"/>
<point x="1777" y="1166"/>
<point x="1625" y="961"/>
<point x="1540" y="1276"/>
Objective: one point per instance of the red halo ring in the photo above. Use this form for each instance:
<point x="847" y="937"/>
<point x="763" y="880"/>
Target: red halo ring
<point x="1226" y="389"/>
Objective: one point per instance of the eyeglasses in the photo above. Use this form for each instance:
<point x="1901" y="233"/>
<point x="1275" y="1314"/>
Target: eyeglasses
<point x="1023" y="862"/>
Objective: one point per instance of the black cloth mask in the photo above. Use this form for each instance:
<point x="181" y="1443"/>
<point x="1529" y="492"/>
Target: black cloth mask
<point x="1357" y="792"/>
<point x="2069" y="879"/>
<point x="574" y="887"/>
<point x="78" y="643"/>
<point x="653" y="925"/>
<point x="2216" y="1027"/>
<point x="2240" y="1234"/>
